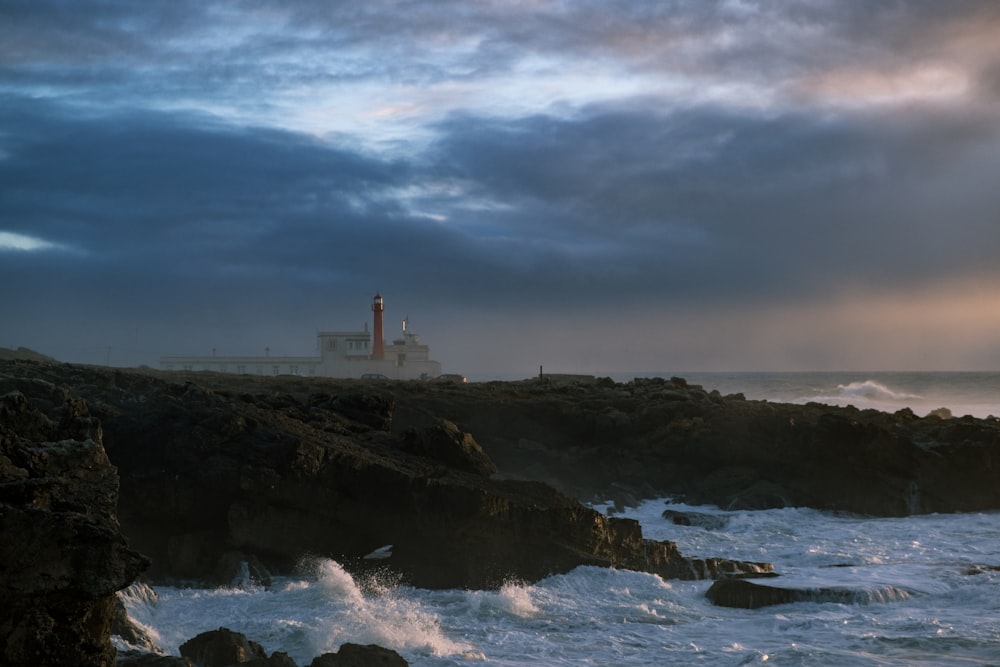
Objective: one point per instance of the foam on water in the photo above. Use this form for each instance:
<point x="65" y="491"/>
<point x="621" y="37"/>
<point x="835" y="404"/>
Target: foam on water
<point x="926" y="591"/>
<point x="303" y="616"/>
<point x="873" y="391"/>
<point x="962" y="393"/>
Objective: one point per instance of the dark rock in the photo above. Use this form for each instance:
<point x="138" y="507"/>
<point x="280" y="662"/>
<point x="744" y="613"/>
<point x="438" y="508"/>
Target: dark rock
<point x="281" y="467"/>
<point x="63" y="555"/>
<point x="747" y="594"/>
<point x="759" y="495"/>
<point x="277" y="659"/>
<point x="221" y="648"/>
<point x="356" y="655"/>
<point x="266" y="467"/>
<point x="134" y="658"/>
<point x="699" y="519"/>
<point x="123" y="626"/>
<point x="445" y="442"/>
<point x="373" y="410"/>
<point x="683" y="442"/>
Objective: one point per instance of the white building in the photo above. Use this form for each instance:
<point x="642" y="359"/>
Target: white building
<point x="342" y="354"/>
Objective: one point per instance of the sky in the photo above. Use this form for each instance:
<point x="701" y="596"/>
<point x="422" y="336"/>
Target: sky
<point x="599" y="186"/>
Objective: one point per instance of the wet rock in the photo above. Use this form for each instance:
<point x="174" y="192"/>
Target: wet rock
<point x="699" y="519"/>
<point x="135" y="658"/>
<point x="748" y="594"/>
<point x="356" y="655"/>
<point x="221" y="648"/>
<point x="277" y="659"/>
<point x="123" y="626"/>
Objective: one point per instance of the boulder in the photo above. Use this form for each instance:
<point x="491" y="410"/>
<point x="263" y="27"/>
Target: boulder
<point x="221" y="648"/>
<point x="356" y="655"/>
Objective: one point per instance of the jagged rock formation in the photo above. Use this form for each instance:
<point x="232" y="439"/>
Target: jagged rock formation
<point x="280" y="470"/>
<point x="656" y="437"/>
<point x="62" y="555"/>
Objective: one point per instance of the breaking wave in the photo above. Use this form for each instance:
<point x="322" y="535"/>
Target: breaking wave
<point x="871" y="390"/>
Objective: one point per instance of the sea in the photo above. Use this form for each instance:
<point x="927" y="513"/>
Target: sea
<point x="924" y="590"/>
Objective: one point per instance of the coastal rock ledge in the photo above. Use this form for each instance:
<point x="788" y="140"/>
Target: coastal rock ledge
<point x="279" y="469"/>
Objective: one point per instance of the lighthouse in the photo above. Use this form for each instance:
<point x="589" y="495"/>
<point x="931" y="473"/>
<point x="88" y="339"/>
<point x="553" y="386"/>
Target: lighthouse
<point x="378" y="348"/>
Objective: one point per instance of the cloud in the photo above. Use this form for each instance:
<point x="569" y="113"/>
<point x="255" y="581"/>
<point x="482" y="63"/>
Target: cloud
<point x="253" y="168"/>
<point x="706" y="198"/>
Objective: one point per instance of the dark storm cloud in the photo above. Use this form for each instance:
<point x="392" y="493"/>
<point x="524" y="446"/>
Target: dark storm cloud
<point x="121" y="181"/>
<point x="766" y="206"/>
<point x="206" y="162"/>
<point x="609" y="206"/>
<point x="188" y="202"/>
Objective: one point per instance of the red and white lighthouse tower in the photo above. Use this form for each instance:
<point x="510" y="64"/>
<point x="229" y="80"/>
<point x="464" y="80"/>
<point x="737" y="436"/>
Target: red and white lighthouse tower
<point x="378" y="348"/>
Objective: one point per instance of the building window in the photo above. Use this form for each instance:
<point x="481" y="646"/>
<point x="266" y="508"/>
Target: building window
<point x="223" y="368"/>
<point x="187" y="367"/>
<point x="260" y="370"/>
<point x="294" y="370"/>
<point x="274" y="370"/>
<point x="241" y="369"/>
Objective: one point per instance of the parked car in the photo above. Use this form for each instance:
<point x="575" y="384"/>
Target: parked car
<point x="452" y="377"/>
<point x="374" y="376"/>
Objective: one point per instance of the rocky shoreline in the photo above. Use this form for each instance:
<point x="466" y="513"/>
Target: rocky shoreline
<point x="450" y="485"/>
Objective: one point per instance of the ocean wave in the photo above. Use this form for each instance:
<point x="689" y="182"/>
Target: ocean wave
<point x="873" y="391"/>
<point x="870" y="392"/>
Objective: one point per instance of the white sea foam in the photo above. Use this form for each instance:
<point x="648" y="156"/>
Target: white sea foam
<point x="962" y="393"/>
<point x="927" y="592"/>
<point x="873" y="391"/>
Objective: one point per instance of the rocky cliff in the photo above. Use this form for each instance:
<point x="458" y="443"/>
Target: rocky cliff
<point x="62" y="555"/>
<point x="459" y="479"/>
<point x="660" y="437"/>
<point x="221" y="467"/>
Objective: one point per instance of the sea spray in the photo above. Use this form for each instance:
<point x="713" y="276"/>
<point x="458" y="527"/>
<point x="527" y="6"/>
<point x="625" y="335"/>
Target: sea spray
<point x="927" y="592"/>
<point x="975" y="393"/>
<point x="873" y="391"/>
